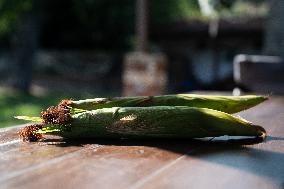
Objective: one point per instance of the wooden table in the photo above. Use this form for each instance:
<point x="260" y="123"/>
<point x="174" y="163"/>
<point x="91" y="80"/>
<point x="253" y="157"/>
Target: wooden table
<point x="124" y="164"/>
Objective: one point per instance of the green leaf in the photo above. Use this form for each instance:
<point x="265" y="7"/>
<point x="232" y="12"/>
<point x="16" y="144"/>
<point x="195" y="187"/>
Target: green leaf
<point x="47" y="130"/>
<point x="76" y="110"/>
<point x="50" y="129"/>
<point x="29" y="118"/>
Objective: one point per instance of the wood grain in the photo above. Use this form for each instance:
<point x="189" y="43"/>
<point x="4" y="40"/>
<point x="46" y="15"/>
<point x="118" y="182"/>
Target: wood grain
<point x="220" y="163"/>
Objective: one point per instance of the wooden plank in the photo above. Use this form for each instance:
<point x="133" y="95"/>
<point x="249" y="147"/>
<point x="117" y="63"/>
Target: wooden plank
<point x="7" y="135"/>
<point x="232" y="168"/>
<point x="17" y="157"/>
<point x="103" y="166"/>
<point x="56" y="163"/>
<point x="223" y="165"/>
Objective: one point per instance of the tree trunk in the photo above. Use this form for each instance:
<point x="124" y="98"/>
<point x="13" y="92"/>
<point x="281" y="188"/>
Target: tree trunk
<point x="274" y="36"/>
<point x="24" y="44"/>
<point x="142" y="11"/>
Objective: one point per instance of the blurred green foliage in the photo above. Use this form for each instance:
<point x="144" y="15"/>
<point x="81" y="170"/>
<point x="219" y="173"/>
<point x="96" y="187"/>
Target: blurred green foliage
<point x="10" y="11"/>
<point x="165" y="11"/>
<point x="107" y="24"/>
<point x="113" y="12"/>
<point x="112" y="22"/>
<point x="102" y="24"/>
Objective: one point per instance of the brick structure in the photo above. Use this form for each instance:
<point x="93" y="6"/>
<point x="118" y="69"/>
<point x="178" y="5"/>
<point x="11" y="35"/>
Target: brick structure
<point x="144" y="74"/>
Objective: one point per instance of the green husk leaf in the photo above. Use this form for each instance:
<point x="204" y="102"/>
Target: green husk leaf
<point x="29" y="118"/>
<point x="228" y="104"/>
<point x="76" y="110"/>
<point x="50" y="129"/>
<point x="158" y="122"/>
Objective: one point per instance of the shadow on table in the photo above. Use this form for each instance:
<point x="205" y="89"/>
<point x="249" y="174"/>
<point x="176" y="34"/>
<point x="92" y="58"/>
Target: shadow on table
<point x="268" y="162"/>
<point x="235" y="153"/>
<point x="160" y="143"/>
<point x="164" y="143"/>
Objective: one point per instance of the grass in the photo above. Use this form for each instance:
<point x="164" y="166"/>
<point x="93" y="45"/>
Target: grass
<point x="13" y="104"/>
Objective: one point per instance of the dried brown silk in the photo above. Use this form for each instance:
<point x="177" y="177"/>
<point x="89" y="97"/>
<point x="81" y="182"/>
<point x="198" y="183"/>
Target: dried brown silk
<point x="29" y="133"/>
<point x="59" y="114"/>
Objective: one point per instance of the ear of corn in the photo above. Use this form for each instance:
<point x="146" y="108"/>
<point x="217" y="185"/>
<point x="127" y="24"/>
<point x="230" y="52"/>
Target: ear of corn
<point x="168" y="116"/>
<point x="228" y="104"/>
<point x="157" y="122"/>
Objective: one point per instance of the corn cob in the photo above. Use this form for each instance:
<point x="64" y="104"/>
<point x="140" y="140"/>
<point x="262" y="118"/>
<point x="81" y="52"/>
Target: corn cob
<point x="228" y="104"/>
<point x="148" y="122"/>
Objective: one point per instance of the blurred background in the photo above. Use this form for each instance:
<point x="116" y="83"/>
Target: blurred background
<point x="50" y="50"/>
